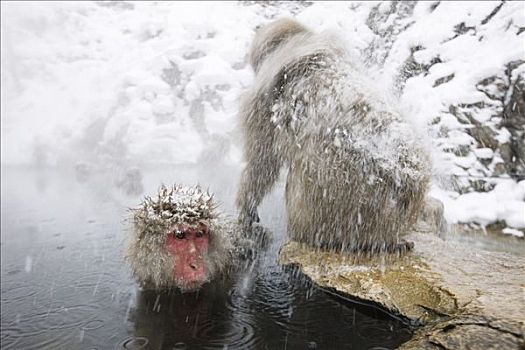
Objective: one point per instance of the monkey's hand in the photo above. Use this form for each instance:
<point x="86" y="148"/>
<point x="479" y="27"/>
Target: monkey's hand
<point x="253" y="241"/>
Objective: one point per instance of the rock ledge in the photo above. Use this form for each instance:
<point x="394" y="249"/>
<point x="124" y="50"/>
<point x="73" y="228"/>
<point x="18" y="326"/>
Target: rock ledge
<point x="463" y="298"/>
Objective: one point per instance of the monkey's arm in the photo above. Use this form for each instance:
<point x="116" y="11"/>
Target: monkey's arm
<point x="263" y="162"/>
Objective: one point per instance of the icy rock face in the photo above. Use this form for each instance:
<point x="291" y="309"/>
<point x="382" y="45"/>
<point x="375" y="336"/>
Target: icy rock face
<point x="514" y="121"/>
<point x="496" y="147"/>
<point x="387" y="20"/>
<point x="502" y="132"/>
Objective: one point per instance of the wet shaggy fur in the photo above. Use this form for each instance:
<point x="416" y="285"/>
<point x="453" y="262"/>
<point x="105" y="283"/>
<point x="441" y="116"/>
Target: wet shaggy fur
<point x="357" y="175"/>
<point x="151" y="264"/>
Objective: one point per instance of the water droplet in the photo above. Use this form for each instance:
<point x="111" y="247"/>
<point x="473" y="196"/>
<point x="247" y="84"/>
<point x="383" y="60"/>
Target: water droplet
<point x="29" y="264"/>
<point x="135" y="343"/>
<point x="180" y="346"/>
<point x="311" y="345"/>
<point x="93" y="324"/>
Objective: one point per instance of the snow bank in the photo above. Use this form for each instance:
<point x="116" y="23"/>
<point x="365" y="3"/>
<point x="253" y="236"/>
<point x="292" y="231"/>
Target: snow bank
<point x="506" y="202"/>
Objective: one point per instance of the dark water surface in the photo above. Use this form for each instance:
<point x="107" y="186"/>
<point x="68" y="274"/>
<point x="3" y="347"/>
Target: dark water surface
<point x="65" y="285"/>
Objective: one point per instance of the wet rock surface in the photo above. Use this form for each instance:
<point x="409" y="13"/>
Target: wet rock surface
<point x="460" y="296"/>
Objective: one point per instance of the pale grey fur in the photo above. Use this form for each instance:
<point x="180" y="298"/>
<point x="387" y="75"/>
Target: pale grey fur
<point x="357" y="174"/>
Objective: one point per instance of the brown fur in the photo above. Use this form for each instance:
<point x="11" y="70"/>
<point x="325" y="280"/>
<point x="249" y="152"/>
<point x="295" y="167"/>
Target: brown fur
<point x="357" y="175"/>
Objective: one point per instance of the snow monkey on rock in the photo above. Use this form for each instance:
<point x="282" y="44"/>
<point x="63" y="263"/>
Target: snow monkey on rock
<point x="357" y="174"/>
<point x="180" y="240"/>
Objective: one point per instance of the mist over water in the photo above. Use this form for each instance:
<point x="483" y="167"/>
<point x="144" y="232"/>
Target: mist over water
<point x="66" y="286"/>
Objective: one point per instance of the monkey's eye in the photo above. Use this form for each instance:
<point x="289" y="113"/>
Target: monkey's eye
<point x="199" y="233"/>
<point x="179" y="234"/>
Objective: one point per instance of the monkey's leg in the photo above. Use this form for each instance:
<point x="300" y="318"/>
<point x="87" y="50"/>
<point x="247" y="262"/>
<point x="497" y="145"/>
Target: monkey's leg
<point x="259" y="175"/>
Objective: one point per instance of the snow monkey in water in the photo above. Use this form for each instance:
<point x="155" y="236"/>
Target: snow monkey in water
<point x="180" y="240"/>
<point x="357" y="174"/>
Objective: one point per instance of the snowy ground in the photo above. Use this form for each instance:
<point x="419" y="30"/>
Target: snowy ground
<point x="131" y="84"/>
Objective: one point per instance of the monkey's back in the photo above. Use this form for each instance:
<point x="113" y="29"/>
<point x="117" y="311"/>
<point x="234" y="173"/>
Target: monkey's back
<point x="356" y="169"/>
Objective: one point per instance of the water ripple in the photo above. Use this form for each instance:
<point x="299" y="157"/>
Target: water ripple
<point x="136" y="343"/>
<point x="19" y="291"/>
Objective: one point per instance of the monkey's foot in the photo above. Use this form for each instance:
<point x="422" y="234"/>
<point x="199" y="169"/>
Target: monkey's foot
<point x="397" y="248"/>
<point x="403" y="247"/>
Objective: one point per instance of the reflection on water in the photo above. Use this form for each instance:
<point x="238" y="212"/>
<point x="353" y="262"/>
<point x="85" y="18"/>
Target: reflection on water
<point x="65" y="285"/>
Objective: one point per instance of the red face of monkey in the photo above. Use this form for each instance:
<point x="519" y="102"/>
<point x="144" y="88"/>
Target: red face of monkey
<point x="188" y="247"/>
